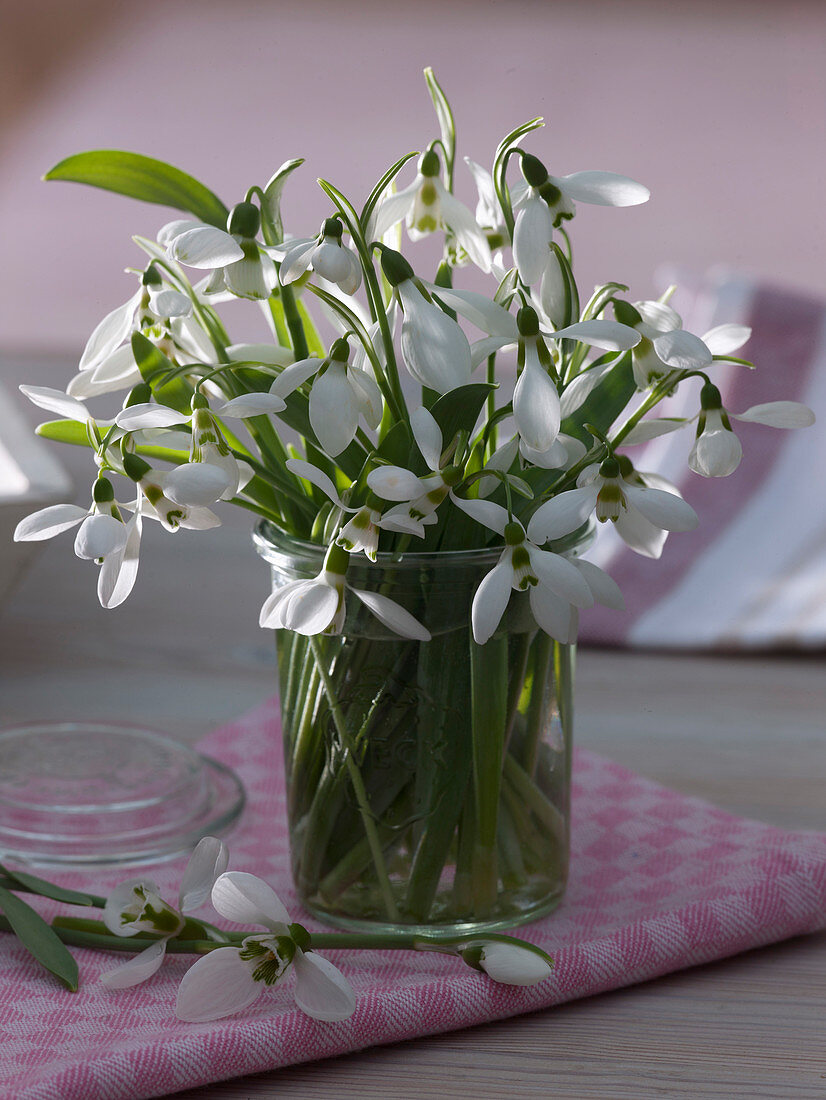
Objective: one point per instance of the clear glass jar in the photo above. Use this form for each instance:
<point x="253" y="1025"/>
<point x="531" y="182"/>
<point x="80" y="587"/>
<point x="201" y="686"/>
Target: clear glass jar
<point x="428" y="783"/>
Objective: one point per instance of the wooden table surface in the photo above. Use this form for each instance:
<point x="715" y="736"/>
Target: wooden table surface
<point x="185" y="654"/>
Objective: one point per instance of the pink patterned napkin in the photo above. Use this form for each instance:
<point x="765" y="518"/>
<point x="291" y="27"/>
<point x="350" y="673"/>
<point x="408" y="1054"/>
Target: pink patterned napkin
<point x="659" y="882"/>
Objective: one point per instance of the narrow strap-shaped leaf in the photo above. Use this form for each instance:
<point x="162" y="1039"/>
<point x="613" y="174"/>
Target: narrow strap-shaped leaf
<point x="39" y="939"/>
<point x="379" y="189"/>
<point x="447" y="124"/>
<point x="143" y="178"/>
<point x="49" y="889"/>
<point x="157" y="369"/>
<point x="272" y="227"/>
<point x="64" y="431"/>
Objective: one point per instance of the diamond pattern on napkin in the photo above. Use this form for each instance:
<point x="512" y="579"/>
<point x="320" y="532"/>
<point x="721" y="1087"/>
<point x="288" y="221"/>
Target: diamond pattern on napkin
<point x="659" y="882"/>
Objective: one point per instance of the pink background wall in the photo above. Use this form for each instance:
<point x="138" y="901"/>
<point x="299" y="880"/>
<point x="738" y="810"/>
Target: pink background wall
<point x="720" y="108"/>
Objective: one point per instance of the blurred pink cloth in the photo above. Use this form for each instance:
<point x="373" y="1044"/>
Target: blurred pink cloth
<point x="659" y="882"/>
<point x="753" y="574"/>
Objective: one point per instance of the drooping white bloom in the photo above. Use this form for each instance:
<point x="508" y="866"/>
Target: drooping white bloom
<point x="548" y="577"/>
<point x="136" y="907"/>
<point x="235" y="257"/>
<point x="427" y="205"/>
<point x="212" y="473"/>
<point x="328" y="256"/>
<point x="317" y="606"/>
<point x="155" y="504"/>
<point x="601" y="490"/>
<point x="509" y="963"/>
<point x="418" y="497"/>
<point x="230" y="979"/>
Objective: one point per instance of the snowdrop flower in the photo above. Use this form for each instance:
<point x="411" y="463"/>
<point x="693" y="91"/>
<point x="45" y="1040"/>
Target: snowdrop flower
<point x="509" y="963"/>
<point x="434" y="348"/>
<point x="327" y="256"/>
<point x="601" y="490"/>
<point x="212" y="473"/>
<point x="717" y="451"/>
<point x="157" y="505"/>
<point x="488" y="211"/>
<point x="317" y="606"/>
<point x="419" y="497"/>
<point x="103" y="536"/>
<point x="667" y="346"/>
<point x="427" y="205"/>
<point x="229" y="979"/>
<point x="548" y="200"/>
<point x="136" y="907"/>
<point x="240" y="264"/>
<point x="523" y="566"/>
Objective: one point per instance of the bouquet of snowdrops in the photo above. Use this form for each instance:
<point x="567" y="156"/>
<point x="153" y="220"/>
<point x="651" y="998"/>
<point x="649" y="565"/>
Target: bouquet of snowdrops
<point x="432" y="421"/>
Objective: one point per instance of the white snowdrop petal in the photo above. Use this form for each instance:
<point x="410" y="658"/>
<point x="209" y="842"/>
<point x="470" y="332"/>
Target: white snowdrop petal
<point x="296" y="260"/>
<point x="715" y="453"/>
<point x="561" y="576"/>
<point x="576" y="392"/>
<point x="600" y="333"/>
<point x="553" y="614"/>
<point x="137" y="969"/>
<point x="109" y="333"/>
<point x="169" y="303"/>
<point x="653" y="428"/>
<point x="532" y="236"/>
<point x="48" y="522"/>
<point x="682" y="350"/>
<point x="605" y="589"/>
<point x="334" y="412"/>
<point x="321" y="990"/>
<point x="603" y="188"/>
<point x="391" y="209"/>
<point x="270" y="354"/>
<point x="490" y="601"/>
<point x="486" y="512"/>
<point x="536" y="408"/>
<point x="392" y="615"/>
<point x="208" y="860"/>
<point x="98" y="536"/>
<point x="196" y="483"/>
<point x="330" y="261"/>
<point x="779" y="414"/>
<point x="118" y="367"/>
<point x="662" y="509"/>
<point x="725" y="339"/>
<point x="148" y="415"/>
<point x="295" y="375"/>
<point x="514" y="965"/>
<point x="217" y="985"/>
<point x="465" y="228"/>
<point x="434" y="348"/>
<point x="119" y="571"/>
<point x="167" y="233"/>
<point x="395" y="483"/>
<point x="367" y="394"/>
<point x="247" y="899"/>
<point x="315" y="476"/>
<point x="55" y="401"/>
<point x="311" y="610"/>
<point x="562" y="514"/>
<point x="479" y="310"/>
<point x="205" y="246"/>
<point x="658" y="317"/>
<point x="481" y="349"/>
<point x="639" y="535"/>
<point x="428" y="436"/>
<point x="270" y="616"/>
<point x="252" y="404"/>
<point x="252" y="277"/>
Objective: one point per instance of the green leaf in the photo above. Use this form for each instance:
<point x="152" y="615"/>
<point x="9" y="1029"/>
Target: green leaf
<point x="378" y="190"/>
<point x="142" y="178"/>
<point x="154" y="366"/>
<point x="64" y="431"/>
<point x="39" y="939"/>
<point x="459" y="410"/>
<point x="272" y="227"/>
<point x="48" y="889"/>
<point x="444" y="114"/>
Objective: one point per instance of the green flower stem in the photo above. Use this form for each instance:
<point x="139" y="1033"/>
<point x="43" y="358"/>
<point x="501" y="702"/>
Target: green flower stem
<point x="533" y="798"/>
<point x="564" y="673"/>
<point x="489" y="677"/>
<point x="293" y="320"/>
<point x="358" y="785"/>
<point x="510" y="851"/>
<point x="463" y="876"/>
<point x="543" y="650"/>
<point x="516" y="681"/>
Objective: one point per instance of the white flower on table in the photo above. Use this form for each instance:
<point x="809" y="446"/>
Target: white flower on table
<point x="230" y="979"/>
<point x="633" y="509"/>
<point x="552" y="581"/>
<point x="427" y="205"/>
<point x="317" y="605"/>
<point x="328" y="256"/>
<point x="135" y="907"/>
<point x="509" y="963"/>
<point x="238" y="262"/>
